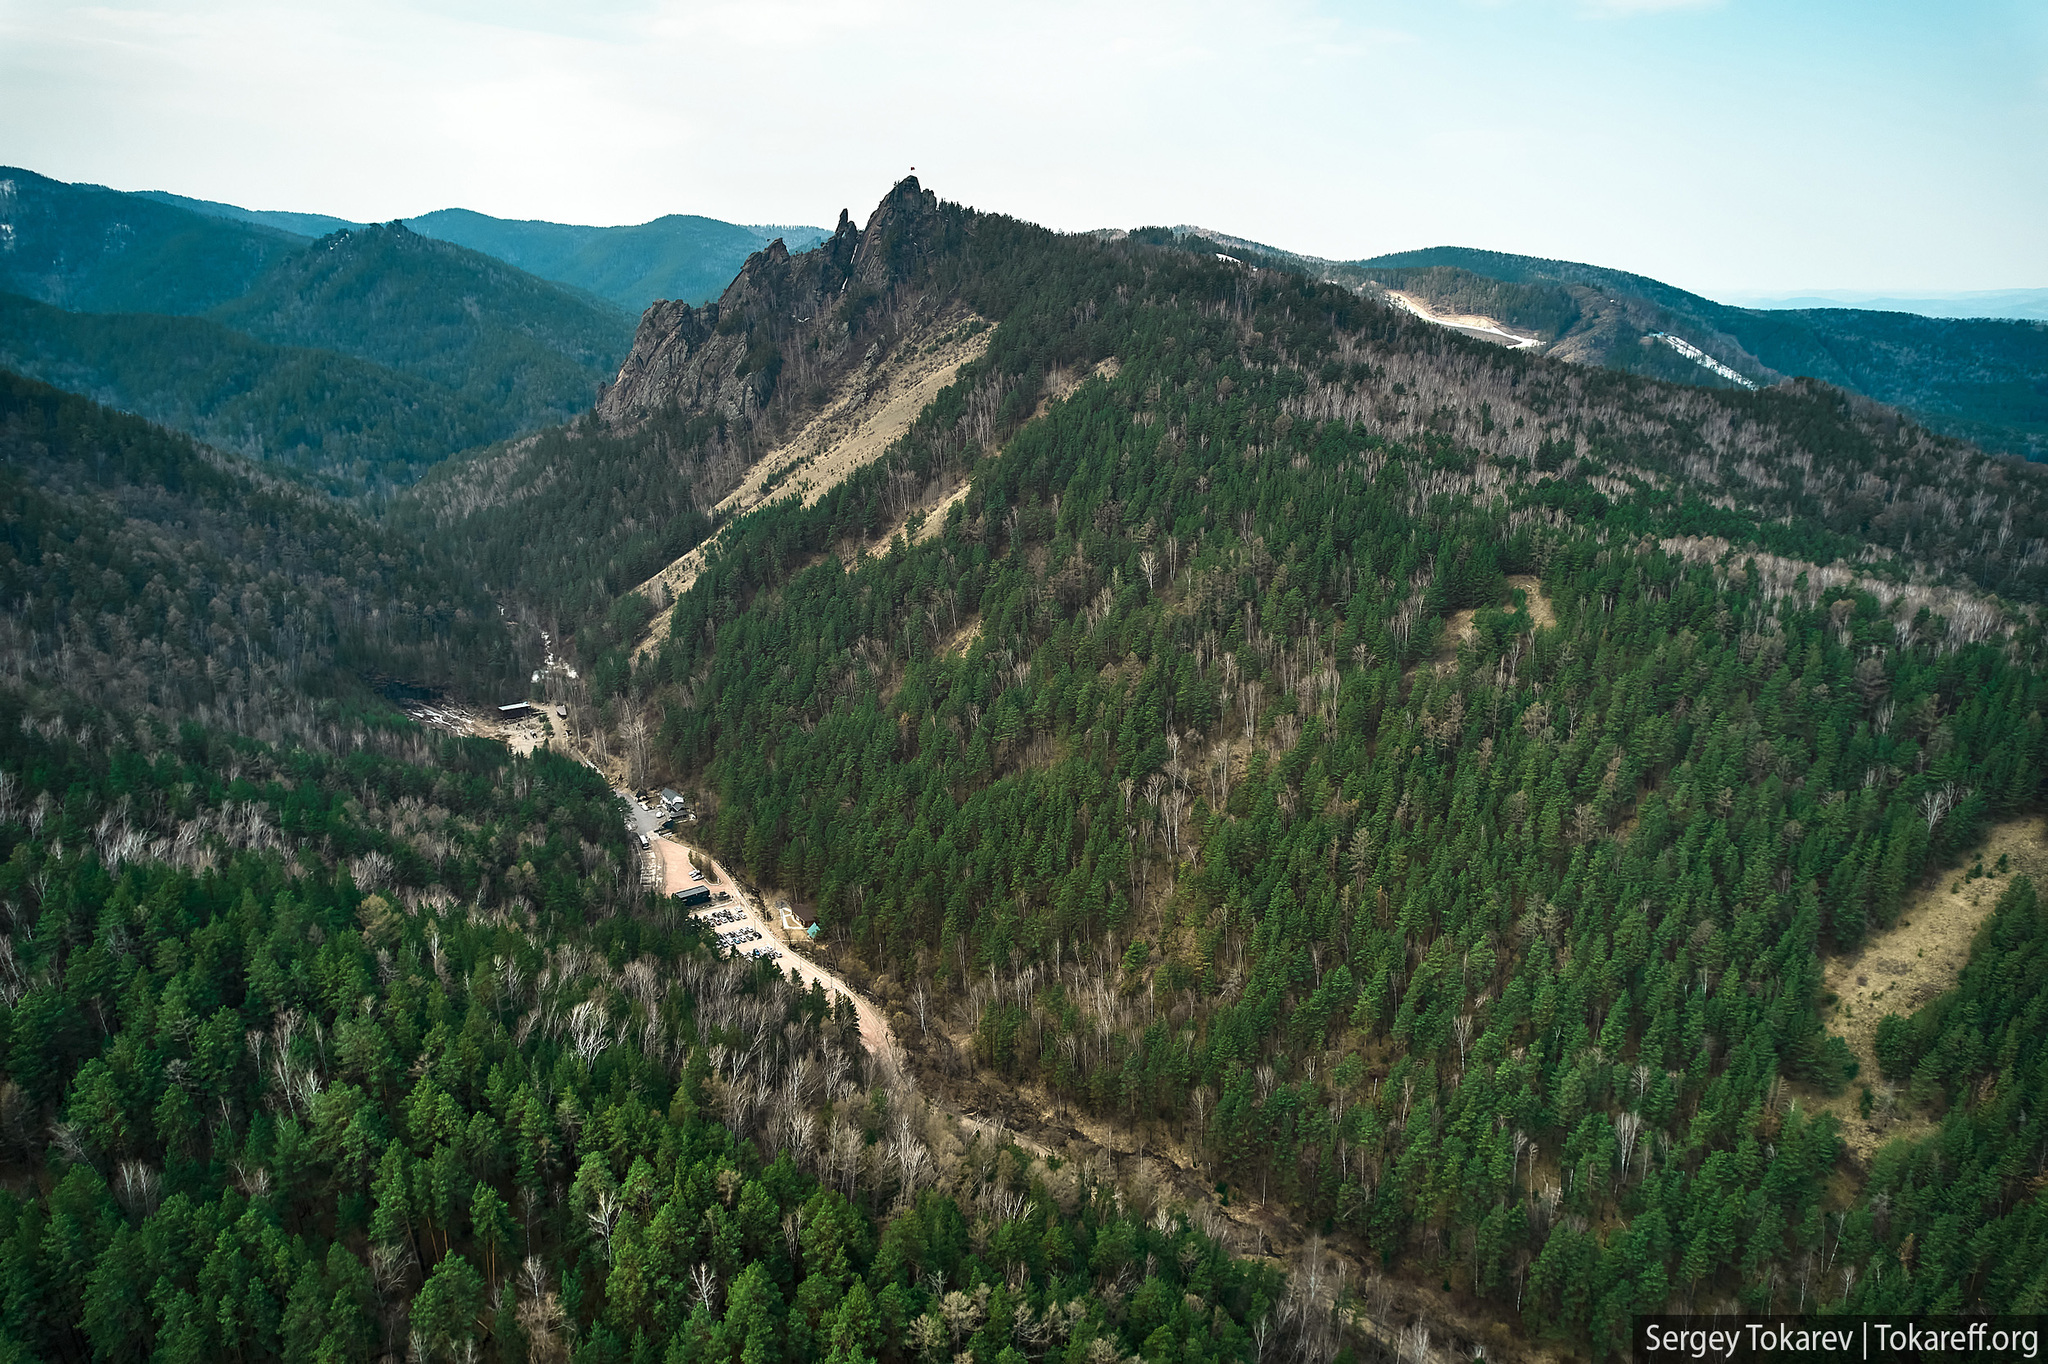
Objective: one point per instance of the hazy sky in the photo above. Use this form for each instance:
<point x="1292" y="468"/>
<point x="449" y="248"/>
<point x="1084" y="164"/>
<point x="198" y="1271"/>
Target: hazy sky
<point x="1744" y="145"/>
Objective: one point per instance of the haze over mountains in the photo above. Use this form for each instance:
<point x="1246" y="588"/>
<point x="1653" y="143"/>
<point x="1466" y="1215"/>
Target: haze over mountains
<point x="2030" y="304"/>
<point x="357" y="359"/>
<point x="678" y="256"/>
<point x="365" y="371"/>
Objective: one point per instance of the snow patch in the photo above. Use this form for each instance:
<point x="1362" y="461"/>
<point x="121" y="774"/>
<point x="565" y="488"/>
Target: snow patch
<point x="1701" y="358"/>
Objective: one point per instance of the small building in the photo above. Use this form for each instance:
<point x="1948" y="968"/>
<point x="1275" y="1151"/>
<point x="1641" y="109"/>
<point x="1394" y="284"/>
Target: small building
<point x="518" y="710"/>
<point x="673" y="800"/>
<point x="693" y="895"/>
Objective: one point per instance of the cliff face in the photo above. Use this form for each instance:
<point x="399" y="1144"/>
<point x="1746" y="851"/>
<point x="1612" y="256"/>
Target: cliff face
<point x="786" y="324"/>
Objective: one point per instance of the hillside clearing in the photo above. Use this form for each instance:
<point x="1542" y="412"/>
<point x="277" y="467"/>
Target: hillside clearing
<point x="1915" y="962"/>
<point x="930" y="515"/>
<point x="1541" y="615"/>
<point x="1061" y="384"/>
<point x="1459" y="627"/>
<point x="866" y="414"/>
<point x="1472" y="324"/>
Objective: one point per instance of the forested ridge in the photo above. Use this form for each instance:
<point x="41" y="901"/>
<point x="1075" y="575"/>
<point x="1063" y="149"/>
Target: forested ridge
<point x="676" y="256"/>
<point x="88" y="249"/>
<point x="1979" y="378"/>
<point x="574" y="517"/>
<point x="356" y="361"/>
<point x="344" y="424"/>
<point x="388" y="294"/>
<point x="143" y="572"/>
<point x="1547" y="310"/>
<point x="1497" y="950"/>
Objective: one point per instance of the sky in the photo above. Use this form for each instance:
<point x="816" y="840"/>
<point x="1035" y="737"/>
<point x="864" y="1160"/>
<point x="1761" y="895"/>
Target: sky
<point x="1728" y="146"/>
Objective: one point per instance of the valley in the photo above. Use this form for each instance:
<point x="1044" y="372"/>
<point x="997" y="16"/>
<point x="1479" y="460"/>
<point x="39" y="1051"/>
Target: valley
<point x="1336" y="829"/>
<point x="675" y="860"/>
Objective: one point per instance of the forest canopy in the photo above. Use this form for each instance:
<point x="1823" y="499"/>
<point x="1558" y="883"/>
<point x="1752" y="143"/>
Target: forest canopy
<point x="1414" y="784"/>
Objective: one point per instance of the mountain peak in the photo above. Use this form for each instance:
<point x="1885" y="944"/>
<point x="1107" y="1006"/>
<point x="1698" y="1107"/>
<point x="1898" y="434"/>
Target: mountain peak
<point x="725" y="358"/>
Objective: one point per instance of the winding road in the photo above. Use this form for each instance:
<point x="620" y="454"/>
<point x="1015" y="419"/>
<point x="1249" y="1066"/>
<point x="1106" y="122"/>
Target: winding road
<point x="1268" y="1227"/>
<point x="789" y="939"/>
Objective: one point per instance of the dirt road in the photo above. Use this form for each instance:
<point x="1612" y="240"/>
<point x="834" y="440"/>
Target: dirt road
<point x="1261" y="1228"/>
<point x="676" y="869"/>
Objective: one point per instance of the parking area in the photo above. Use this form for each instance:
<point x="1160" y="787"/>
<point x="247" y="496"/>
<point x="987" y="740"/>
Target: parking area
<point x="735" y="919"/>
<point x="733" y="928"/>
<point x="741" y="924"/>
<point x="745" y="926"/>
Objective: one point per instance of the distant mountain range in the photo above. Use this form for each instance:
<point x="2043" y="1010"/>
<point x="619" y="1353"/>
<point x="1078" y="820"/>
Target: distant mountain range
<point x="355" y="354"/>
<point x="356" y="359"/>
<point x="361" y="354"/>
<point x="1980" y="378"/>
<point x="2028" y="304"/>
<point x="680" y="256"/>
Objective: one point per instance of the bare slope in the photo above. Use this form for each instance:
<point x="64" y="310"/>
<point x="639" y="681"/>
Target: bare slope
<point x="871" y="408"/>
<point x="574" y="519"/>
<point x="867" y="412"/>
<point x="1476" y="325"/>
<point x="1914" y="962"/>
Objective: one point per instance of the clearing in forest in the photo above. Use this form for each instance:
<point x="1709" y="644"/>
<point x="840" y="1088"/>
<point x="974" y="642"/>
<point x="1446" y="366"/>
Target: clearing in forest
<point x="1459" y="627"/>
<point x="1541" y="616"/>
<point x="1471" y="324"/>
<point x="1062" y="384"/>
<point x="1916" y="961"/>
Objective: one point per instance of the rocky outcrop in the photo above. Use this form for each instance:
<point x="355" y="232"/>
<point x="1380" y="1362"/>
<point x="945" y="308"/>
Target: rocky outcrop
<point x="786" y="326"/>
<point x="677" y="357"/>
